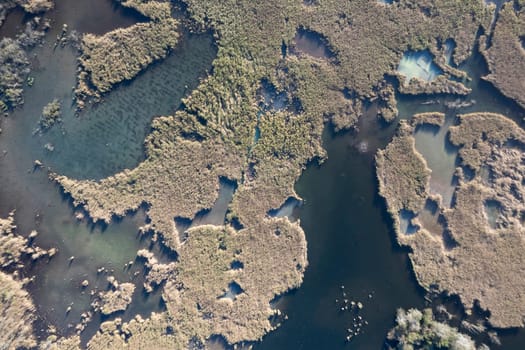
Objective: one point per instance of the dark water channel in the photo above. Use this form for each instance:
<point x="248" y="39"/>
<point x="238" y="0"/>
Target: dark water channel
<point x="104" y="139"/>
<point x="349" y="244"/>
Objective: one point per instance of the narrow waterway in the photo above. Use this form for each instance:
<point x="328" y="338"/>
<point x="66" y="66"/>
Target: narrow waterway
<point x="350" y="244"/>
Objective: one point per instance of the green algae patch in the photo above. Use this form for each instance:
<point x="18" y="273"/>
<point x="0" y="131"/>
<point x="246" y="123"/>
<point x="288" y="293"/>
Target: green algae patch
<point x="479" y="254"/>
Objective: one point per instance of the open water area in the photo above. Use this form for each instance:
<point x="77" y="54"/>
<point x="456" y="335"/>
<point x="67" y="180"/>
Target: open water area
<point x="352" y="252"/>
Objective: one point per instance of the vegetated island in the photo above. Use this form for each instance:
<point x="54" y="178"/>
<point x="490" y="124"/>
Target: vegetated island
<point x="18" y="310"/>
<point x="475" y="247"/>
<point x="121" y="54"/>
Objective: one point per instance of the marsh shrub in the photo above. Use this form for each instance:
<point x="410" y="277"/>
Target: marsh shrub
<point x="51" y="114"/>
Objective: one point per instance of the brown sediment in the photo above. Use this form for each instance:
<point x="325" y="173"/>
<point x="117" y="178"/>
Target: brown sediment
<point x="477" y="257"/>
<point x="506" y="56"/>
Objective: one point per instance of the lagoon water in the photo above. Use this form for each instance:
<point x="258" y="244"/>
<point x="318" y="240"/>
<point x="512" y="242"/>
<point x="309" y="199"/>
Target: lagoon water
<point x="350" y="237"/>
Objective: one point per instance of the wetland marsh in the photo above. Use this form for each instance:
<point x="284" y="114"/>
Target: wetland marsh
<point x="353" y="256"/>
